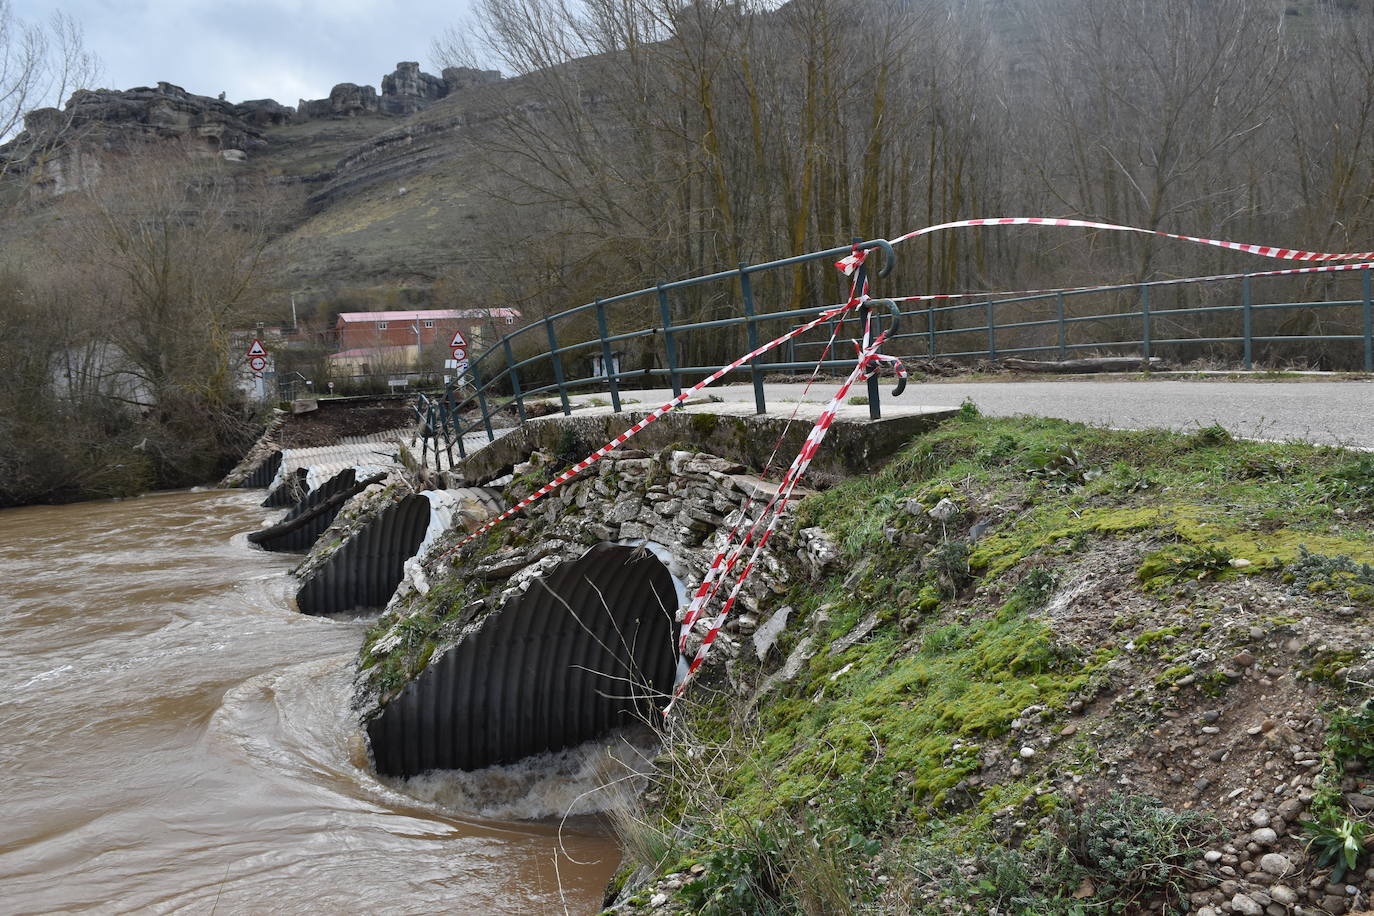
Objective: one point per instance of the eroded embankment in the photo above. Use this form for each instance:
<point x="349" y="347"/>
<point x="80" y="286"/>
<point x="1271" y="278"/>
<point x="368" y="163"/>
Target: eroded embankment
<point x="1053" y="669"/>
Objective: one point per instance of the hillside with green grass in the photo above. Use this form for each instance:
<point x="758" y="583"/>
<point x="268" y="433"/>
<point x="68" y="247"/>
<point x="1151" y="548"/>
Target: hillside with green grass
<point x="1112" y="672"/>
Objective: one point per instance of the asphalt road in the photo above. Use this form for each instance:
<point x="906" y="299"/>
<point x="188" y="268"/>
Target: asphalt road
<point x="1327" y="412"/>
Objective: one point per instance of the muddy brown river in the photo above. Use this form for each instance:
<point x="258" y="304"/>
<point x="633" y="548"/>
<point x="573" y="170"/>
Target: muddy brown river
<point x="176" y="739"/>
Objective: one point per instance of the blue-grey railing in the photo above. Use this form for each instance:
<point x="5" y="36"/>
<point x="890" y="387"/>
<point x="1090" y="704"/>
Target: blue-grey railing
<point x="538" y="360"/>
<point x="930" y="324"/>
<point x="547" y="357"/>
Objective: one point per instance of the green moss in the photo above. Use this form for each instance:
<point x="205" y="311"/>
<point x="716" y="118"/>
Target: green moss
<point x="1326" y="666"/>
<point x="1150" y="638"/>
<point x="1171" y="676"/>
<point x="703" y="424"/>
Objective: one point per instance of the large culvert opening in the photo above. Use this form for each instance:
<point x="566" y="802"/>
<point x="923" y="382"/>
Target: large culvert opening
<point x="266" y="472"/>
<point x="362" y="574"/>
<point x="300" y="527"/>
<point x="587" y="649"/>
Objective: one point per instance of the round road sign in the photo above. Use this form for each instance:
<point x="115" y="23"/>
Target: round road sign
<point x="257" y="363"/>
<point x="459" y="353"/>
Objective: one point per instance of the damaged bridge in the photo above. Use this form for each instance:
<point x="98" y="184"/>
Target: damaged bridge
<point x="562" y="624"/>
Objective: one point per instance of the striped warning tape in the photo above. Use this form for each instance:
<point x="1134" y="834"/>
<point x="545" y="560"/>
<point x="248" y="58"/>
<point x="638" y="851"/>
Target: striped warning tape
<point x="857" y="295"/>
<point x="773" y="512"/>
<point x="1268" y="251"/>
<point x="732" y="547"/>
<point x="1291" y="271"/>
<point x="730" y="551"/>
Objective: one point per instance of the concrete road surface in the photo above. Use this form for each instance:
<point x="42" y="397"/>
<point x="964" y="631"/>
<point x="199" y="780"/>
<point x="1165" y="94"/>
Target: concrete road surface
<point x="1329" y="412"/>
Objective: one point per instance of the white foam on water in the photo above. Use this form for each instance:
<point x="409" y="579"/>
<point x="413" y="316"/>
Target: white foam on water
<point x="592" y="777"/>
<point x="45" y="676"/>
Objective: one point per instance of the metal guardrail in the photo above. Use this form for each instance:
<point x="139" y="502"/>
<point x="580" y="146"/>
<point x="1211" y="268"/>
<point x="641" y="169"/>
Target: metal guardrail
<point x="1149" y="318"/>
<point x="537" y="360"/>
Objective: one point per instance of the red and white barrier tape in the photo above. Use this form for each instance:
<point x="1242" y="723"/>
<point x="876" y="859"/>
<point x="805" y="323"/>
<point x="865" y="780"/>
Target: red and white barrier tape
<point x="775" y="508"/>
<point x="855" y="298"/>
<point x="728" y="555"/>
<point x="1268" y="251"/>
<point x="732" y="548"/>
<point x="1291" y="271"/>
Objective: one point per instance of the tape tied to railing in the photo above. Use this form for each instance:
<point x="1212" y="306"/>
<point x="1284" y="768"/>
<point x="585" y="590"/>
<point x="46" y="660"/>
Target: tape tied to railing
<point x="773" y="512"/>
<point x="1180" y="281"/>
<point x="1267" y="251"/>
<point x="858" y="294"/>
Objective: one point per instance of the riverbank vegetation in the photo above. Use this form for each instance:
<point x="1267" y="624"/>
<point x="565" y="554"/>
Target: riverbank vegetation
<point x="1055" y="670"/>
<point x="115" y="337"/>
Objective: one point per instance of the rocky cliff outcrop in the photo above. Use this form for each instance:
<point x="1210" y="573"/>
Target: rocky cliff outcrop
<point x="405" y="91"/>
<point x="346" y="100"/>
<point x="60" y="150"/>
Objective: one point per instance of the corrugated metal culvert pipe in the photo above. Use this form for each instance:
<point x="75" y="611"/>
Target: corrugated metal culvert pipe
<point x="362" y="574"/>
<point x="264" y="473"/>
<point x="286" y="491"/>
<point x="584" y="650"/>
<point x="301" y="538"/>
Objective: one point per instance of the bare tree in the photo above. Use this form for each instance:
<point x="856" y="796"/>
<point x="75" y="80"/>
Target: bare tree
<point x="1147" y="105"/>
<point x="40" y="65"/>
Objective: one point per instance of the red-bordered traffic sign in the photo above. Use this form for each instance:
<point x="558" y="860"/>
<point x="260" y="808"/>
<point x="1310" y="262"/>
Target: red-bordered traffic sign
<point x="257" y="363"/>
<point x="460" y="353"/>
<point x="257" y="349"/>
<point x="458" y="340"/>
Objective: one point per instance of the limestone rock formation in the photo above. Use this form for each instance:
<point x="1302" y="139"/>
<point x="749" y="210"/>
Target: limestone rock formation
<point x="459" y="79"/>
<point x="59" y="151"/>
<point x="346" y="100"/>
<point x="265" y="112"/>
<point x="407" y="89"/>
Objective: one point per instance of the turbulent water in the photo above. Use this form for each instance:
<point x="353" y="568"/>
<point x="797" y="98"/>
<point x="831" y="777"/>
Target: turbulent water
<point x="176" y="739"/>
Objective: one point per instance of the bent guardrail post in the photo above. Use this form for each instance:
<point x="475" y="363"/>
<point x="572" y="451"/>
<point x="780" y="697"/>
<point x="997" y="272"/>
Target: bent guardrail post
<point x="481" y="398"/>
<point x="669" y="343"/>
<point x="1145" y="324"/>
<point x="1368" y="322"/>
<point x="514" y="379"/>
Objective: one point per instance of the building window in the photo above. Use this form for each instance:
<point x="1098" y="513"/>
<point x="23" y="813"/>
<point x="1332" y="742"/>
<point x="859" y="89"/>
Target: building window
<point x="429" y="324"/>
<point x="510" y="319"/>
<point x="381" y="325"/>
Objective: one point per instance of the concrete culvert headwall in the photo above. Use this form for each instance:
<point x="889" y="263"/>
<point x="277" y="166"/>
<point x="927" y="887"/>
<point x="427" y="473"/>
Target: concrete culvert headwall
<point x="302" y="537"/>
<point x="364" y="572"/>
<point x="585" y="649"/>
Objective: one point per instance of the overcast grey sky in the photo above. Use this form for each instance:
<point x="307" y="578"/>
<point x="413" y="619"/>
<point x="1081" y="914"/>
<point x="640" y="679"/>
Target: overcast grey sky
<point x="253" y="49"/>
